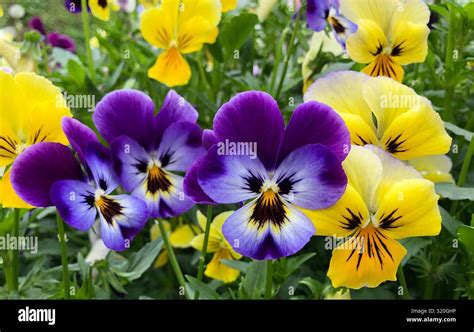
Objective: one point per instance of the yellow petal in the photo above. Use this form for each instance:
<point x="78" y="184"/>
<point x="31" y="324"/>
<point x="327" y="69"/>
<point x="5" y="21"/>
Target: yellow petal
<point x="416" y="133"/>
<point x="364" y="172"/>
<point x="201" y="219"/>
<point x="100" y="9"/>
<point x="170" y="69"/>
<point x="434" y="168"/>
<point x="219" y="221"/>
<point x="228" y="5"/>
<point x="158" y="25"/>
<point x="366" y="260"/>
<point x="341" y="219"/>
<point x="162" y="259"/>
<point x="214" y="244"/>
<point x="384" y="65"/>
<point x="368" y="41"/>
<point x="343" y="92"/>
<point x="194" y="33"/>
<point x="8" y="197"/>
<point x="410" y="42"/>
<point x="388" y="99"/>
<point x="17" y="61"/>
<point x="378" y="11"/>
<point x="182" y="236"/>
<point x="216" y="270"/>
<point x="208" y="9"/>
<point x="361" y="132"/>
<point x="412" y="11"/>
<point x="410" y="209"/>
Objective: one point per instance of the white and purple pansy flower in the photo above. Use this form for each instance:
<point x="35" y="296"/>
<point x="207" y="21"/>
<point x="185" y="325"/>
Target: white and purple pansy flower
<point x="150" y="152"/>
<point x="294" y="167"/>
<point x="320" y="13"/>
<point x="49" y="174"/>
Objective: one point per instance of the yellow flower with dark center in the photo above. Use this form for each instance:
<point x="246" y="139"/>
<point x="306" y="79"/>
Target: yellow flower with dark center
<point x="101" y="8"/>
<point x="220" y="248"/>
<point x="31" y="112"/>
<point x="390" y="34"/>
<point x="385" y="200"/>
<point x="179" y="27"/>
<point x="383" y="112"/>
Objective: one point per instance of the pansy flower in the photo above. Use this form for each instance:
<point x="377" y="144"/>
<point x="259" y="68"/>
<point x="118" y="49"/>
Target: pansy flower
<point x="48" y="174"/>
<point x="219" y="247"/>
<point x="151" y="152"/>
<point x="320" y="13"/>
<point x="273" y="170"/>
<point x="383" y="112"/>
<point x="54" y="39"/>
<point x="179" y="27"/>
<point x="390" y="34"/>
<point x="75" y="6"/>
<point x="32" y="109"/>
<point x="385" y="200"/>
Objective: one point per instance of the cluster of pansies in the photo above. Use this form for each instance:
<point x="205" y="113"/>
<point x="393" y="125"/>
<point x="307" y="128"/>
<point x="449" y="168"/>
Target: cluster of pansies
<point x="356" y="160"/>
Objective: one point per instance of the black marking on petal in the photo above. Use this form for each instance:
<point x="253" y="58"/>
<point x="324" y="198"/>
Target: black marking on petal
<point x="10" y="146"/>
<point x="102" y="3"/>
<point x="109" y="208"/>
<point x="90" y="200"/>
<point x="141" y="166"/>
<point x="393" y="145"/>
<point x="398" y="49"/>
<point x="377" y="233"/>
<point x="165" y="159"/>
<point x="378" y="50"/>
<point x="364" y="142"/>
<point x="157" y="180"/>
<point x="286" y="184"/>
<point x="103" y="184"/>
<point x="353" y="221"/>
<point x="269" y="207"/>
<point x="337" y="26"/>
<point x="386" y="222"/>
<point x="254" y="183"/>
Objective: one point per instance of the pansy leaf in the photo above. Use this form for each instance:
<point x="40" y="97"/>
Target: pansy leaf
<point x="449" y="222"/>
<point x="238" y="265"/>
<point x="139" y="261"/>
<point x="413" y="245"/>
<point x="286" y="267"/>
<point x="314" y="286"/>
<point x="453" y="192"/>
<point x="459" y="131"/>
<point x="253" y="284"/>
<point x="466" y="236"/>
<point x="205" y="292"/>
<point x="239" y="29"/>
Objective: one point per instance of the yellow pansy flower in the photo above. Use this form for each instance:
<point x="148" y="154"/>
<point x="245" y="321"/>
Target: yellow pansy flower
<point x="181" y="238"/>
<point x="31" y="112"/>
<point x="228" y="5"/>
<point x="179" y="27"/>
<point x="101" y="8"/>
<point x="383" y="112"/>
<point x="390" y="34"/>
<point x="219" y="246"/>
<point x="385" y="200"/>
<point x="11" y="57"/>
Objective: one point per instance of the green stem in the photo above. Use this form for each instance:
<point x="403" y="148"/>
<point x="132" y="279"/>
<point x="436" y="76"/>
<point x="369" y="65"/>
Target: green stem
<point x="449" y="87"/>
<point x="403" y="282"/>
<point x="269" y="282"/>
<point x="85" y="27"/>
<point x="64" y="263"/>
<point x="277" y="58"/>
<point x="288" y="55"/>
<point x="202" y="258"/>
<point x="203" y="74"/>
<point x="15" y="263"/>
<point x="464" y="171"/>
<point x="172" y="257"/>
<point x="429" y="285"/>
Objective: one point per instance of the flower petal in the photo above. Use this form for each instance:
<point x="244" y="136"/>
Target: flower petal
<point x="265" y="239"/>
<point x="230" y="178"/>
<point x="219" y="271"/>
<point x="174" y="109"/>
<point x="171" y="68"/>
<point x="365" y="260"/>
<point x="367" y="42"/>
<point x="316" y="14"/>
<point x="252" y="117"/>
<point x="182" y="236"/>
<point x="8" y="196"/>
<point x="38" y="167"/>
<point x="126" y="112"/>
<point x="316" y="123"/>
<point x="99" y="160"/>
<point x="191" y="185"/>
<point x="208" y="138"/>
<point x="100" y="8"/>
<point x="311" y="177"/>
<point x="75" y="203"/>
<point x="79" y="135"/>
<point x="435" y="168"/>
<point x="180" y="145"/>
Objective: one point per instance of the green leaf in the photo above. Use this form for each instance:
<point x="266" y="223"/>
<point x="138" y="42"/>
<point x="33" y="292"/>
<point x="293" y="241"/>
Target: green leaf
<point x="453" y="192"/>
<point x="459" y="131"/>
<point x="139" y="261"/>
<point x="449" y="222"/>
<point x="237" y="31"/>
<point x="294" y="263"/>
<point x="115" y="76"/>
<point x="253" y="285"/>
<point x="76" y="72"/>
<point x="466" y="236"/>
<point x="313" y="285"/>
<point x="413" y="245"/>
<point x="238" y="265"/>
<point x="205" y="292"/>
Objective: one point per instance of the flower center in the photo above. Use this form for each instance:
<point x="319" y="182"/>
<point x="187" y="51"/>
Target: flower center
<point x="158" y="179"/>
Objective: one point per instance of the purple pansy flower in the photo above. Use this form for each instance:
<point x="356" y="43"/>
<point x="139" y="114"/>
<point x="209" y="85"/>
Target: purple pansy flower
<point x="37" y="24"/>
<point x="294" y="167"/>
<point x="150" y="150"/>
<point x="49" y="174"/>
<point x="56" y="39"/>
<point x="75" y="6"/>
<point x="321" y="12"/>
